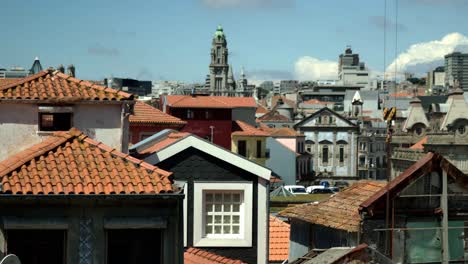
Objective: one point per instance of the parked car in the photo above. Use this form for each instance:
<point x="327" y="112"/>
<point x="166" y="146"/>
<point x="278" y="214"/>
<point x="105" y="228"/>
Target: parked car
<point x="314" y="187"/>
<point x="296" y="189"/>
<point x="334" y="189"/>
<point x="341" y="184"/>
<point x="324" y="190"/>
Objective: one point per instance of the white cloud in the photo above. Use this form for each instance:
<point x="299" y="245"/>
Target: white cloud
<point x="427" y="52"/>
<point x="309" y="68"/>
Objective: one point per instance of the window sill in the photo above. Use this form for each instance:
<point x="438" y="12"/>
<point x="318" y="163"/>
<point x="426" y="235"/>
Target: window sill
<point x="220" y="242"/>
<point x="45" y="133"/>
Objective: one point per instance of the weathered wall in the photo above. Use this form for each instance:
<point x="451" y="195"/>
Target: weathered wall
<point x="19" y="126"/>
<point x="101" y="122"/>
<point x="299" y="239"/>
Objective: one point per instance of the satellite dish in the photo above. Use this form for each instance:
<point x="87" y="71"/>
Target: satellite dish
<point x="10" y="259"/>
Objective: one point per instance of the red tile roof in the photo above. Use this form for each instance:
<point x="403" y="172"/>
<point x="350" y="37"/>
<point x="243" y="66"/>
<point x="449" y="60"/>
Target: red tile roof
<point x="279" y="240"/>
<point x="273" y="116"/>
<point x="261" y="110"/>
<point x="187" y="101"/>
<point x="285" y="132"/>
<point x="420" y="143"/>
<point x="55" y="86"/>
<point x="430" y="162"/>
<point x="7" y="81"/>
<point x="274" y="101"/>
<point x="244" y="129"/>
<point x="146" y="114"/>
<point x="317" y="102"/>
<point x="340" y="211"/>
<point x="166" y="141"/>
<point x="202" y="256"/>
<point x="72" y="163"/>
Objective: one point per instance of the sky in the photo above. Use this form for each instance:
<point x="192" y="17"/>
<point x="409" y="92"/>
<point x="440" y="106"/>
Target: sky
<point x="271" y="39"/>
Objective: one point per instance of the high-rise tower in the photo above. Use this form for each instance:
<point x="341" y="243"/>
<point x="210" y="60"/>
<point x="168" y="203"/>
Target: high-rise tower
<point x="220" y="84"/>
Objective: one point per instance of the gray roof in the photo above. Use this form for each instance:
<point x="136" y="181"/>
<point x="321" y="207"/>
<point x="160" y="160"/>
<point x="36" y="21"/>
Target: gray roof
<point x="330" y="255"/>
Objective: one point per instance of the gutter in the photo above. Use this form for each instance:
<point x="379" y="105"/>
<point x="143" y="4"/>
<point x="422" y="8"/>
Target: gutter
<point x="177" y="196"/>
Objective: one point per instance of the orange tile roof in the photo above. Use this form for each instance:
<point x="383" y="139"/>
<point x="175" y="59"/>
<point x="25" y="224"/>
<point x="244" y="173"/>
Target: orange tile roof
<point x="55" y="86"/>
<point x="245" y="129"/>
<point x="261" y="110"/>
<point x="72" y="163"/>
<point x="274" y="101"/>
<point x="419" y="144"/>
<point x="273" y="116"/>
<point x="285" y="132"/>
<point x="279" y="240"/>
<point x="316" y="101"/>
<point x="202" y="256"/>
<point x="7" y="81"/>
<point x="188" y="101"/>
<point x="146" y="114"/>
<point x="168" y="140"/>
<point x="340" y="211"/>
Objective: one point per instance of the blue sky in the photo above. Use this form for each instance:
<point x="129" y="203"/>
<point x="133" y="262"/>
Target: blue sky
<point x="171" y="39"/>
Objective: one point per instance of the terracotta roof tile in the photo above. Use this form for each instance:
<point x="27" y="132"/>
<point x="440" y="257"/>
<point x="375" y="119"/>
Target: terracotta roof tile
<point x="274" y="101"/>
<point x="279" y="240"/>
<point x="420" y="143"/>
<point x="244" y="129"/>
<point x="261" y="110"/>
<point x="340" y="211"/>
<point x="203" y="256"/>
<point x="71" y="163"/>
<point x="284" y="132"/>
<point x="317" y="102"/>
<point x="55" y="86"/>
<point x="146" y="114"/>
<point x="7" y="81"/>
<point x="168" y="140"/>
<point x="187" y="101"/>
<point x="273" y="116"/>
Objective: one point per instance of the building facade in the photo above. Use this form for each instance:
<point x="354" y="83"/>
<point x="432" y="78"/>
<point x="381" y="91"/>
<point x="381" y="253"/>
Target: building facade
<point x="332" y="141"/>
<point x="351" y="71"/>
<point x="31" y="111"/>
<point x="456" y="69"/>
<point x="226" y="195"/>
<point x="442" y="128"/>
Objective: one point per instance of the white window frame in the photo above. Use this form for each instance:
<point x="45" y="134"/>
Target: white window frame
<point x="244" y="239"/>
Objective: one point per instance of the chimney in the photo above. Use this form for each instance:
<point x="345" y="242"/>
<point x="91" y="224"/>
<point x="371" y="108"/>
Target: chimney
<point x="71" y="70"/>
<point x="61" y="69"/>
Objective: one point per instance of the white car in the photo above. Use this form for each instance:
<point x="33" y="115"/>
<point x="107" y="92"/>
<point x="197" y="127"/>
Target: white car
<point x="296" y="189"/>
<point x="311" y="189"/>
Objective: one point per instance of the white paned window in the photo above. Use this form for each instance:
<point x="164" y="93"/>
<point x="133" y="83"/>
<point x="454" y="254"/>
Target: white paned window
<point x="222" y="214"/>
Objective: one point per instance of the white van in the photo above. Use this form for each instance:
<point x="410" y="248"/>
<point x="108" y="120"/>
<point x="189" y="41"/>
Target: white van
<point x="296" y="189"/>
